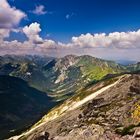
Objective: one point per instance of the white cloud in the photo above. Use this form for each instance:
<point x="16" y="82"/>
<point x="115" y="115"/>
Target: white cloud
<point x="89" y="40"/>
<point x="9" y="16"/>
<point x="32" y="32"/>
<point x="39" y="10"/>
<point x="4" y="33"/>
<point x="113" y="40"/>
<point x="113" y="45"/>
<point x="48" y="44"/>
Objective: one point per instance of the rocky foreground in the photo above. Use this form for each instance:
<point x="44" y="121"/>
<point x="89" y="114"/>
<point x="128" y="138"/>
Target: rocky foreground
<point x="112" y="115"/>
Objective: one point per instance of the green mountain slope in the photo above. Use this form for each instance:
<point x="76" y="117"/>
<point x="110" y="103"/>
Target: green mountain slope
<point x="60" y="78"/>
<point x="70" y="73"/>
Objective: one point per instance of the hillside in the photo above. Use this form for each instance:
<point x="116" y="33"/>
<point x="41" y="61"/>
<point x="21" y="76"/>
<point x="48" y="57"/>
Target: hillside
<point x="59" y="78"/>
<point x="70" y="73"/>
<point x="112" y="114"/>
<point x="32" y="85"/>
<point x="20" y="105"/>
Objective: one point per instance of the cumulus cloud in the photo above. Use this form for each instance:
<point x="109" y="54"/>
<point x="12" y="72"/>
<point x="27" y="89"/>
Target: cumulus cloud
<point x="113" y="40"/>
<point x="113" y="45"/>
<point x="4" y="33"/>
<point x="48" y="44"/>
<point x="39" y="10"/>
<point x="32" y="32"/>
<point x="9" y="16"/>
<point x="9" y="19"/>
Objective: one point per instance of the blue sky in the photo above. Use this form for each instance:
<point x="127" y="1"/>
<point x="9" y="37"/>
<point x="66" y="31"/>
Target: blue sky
<point x="107" y="29"/>
<point x="92" y="16"/>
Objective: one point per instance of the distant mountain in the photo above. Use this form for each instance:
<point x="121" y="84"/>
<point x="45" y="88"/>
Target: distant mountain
<point x="60" y="78"/>
<point x="107" y="110"/>
<point x="28" y="68"/>
<point x="126" y="62"/>
<point x="134" y="67"/>
<point x="67" y="74"/>
<point x="20" y="105"/>
<point x="31" y="85"/>
<point x="37" y="59"/>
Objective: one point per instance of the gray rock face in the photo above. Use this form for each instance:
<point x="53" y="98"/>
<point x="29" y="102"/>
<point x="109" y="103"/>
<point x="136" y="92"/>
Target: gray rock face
<point x="112" y="115"/>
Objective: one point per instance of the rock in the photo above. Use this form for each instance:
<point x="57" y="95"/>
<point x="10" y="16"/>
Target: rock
<point x="114" y="118"/>
<point x="90" y="119"/>
<point x="100" y="119"/>
<point x="75" y="126"/>
<point x="80" y="116"/>
<point x="135" y="89"/>
<point x="45" y="136"/>
<point x="137" y="133"/>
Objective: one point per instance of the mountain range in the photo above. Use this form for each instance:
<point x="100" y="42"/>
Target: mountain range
<point x="30" y="86"/>
<point x="58" y="77"/>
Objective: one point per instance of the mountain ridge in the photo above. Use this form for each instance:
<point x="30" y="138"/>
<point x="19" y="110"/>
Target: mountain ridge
<point x="59" y="77"/>
<point x="63" y="78"/>
<point x="93" y="120"/>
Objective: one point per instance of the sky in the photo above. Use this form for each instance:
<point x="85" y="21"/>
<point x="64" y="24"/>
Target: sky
<point x="107" y="29"/>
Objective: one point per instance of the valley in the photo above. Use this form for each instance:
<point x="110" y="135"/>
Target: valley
<point x="69" y="70"/>
<point x="52" y="86"/>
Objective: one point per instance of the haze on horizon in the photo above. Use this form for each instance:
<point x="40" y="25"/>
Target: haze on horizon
<point x="107" y="29"/>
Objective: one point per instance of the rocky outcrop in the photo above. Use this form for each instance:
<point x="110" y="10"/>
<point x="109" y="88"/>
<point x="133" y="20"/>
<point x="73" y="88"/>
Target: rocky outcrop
<point x="113" y="115"/>
<point x="44" y="136"/>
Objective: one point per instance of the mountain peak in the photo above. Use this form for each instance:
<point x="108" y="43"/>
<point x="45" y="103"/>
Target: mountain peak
<point x="70" y="56"/>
